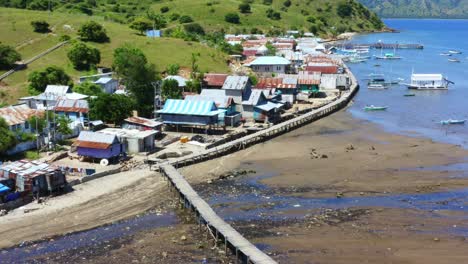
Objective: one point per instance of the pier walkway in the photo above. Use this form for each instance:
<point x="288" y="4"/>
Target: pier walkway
<point x="377" y="45"/>
<point x="221" y="231"/>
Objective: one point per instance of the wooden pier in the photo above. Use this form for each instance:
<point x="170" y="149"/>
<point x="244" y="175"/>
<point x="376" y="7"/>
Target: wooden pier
<point x="377" y="45"/>
<point x="221" y="231"/>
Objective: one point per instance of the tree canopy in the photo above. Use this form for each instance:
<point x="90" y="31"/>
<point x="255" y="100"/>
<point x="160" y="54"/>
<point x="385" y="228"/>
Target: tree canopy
<point x="7" y="137"/>
<point x="93" y="31"/>
<point x="40" y="26"/>
<point x="137" y="75"/>
<point x="141" y="25"/>
<point x="88" y="88"/>
<point x="111" y="108"/>
<point x="8" y="57"/>
<point x="170" y="89"/>
<point x="83" y="56"/>
<point x="38" y="80"/>
<point x="232" y="18"/>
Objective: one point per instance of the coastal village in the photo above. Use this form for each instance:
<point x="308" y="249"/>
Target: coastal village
<point x="275" y="79"/>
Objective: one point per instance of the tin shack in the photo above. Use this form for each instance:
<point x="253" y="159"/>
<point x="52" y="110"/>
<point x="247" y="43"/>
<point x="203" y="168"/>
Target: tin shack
<point x="98" y="145"/>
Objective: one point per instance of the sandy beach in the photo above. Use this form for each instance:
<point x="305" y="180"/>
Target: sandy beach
<point x="334" y="156"/>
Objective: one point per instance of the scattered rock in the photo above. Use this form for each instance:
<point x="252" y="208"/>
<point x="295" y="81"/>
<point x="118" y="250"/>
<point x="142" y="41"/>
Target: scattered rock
<point x="372" y="148"/>
<point x="324" y="156"/>
<point x="350" y="147"/>
<point x="436" y="239"/>
<point x="164" y="254"/>
<point x="183" y="238"/>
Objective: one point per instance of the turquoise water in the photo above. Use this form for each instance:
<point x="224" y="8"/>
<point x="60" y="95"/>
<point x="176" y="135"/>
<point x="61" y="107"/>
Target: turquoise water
<point x="419" y="115"/>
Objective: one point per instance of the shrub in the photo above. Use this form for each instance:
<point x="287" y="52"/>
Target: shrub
<point x="344" y="10"/>
<point x="273" y="15"/>
<point x="83" y="56"/>
<point x="50" y="75"/>
<point x="287" y="3"/>
<point x="194" y="28"/>
<point x="164" y="9"/>
<point x="8" y="57"/>
<point x="40" y="26"/>
<point x="267" y="2"/>
<point x="141" y="24"/>
<point x="185" y="19"/>
<point x="174" y="16"/>
<point x="244" y="8"/>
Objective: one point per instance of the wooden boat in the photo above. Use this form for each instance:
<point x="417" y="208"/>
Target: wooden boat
<point x="375" y="108"/>
<point x="455" y="52"/>
<point x="408" y="95"/>
<point x="445" y="54"/>
<point x="452" y="122"/>
<point x="454" y="60"/>
<point x="388" y="56"/>
<point x="377" y="86"/>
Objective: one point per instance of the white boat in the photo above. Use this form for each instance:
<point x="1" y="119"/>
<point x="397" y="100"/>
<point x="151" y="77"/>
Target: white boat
<point x="455" y="52"/>
<point x="388" y="56"/>
<point x="377" y="86"/>
<point x="445" y="54"/>
<point x="452" y="122"/>
<point x="428" y="82"/>
<point x="454" y="60"/>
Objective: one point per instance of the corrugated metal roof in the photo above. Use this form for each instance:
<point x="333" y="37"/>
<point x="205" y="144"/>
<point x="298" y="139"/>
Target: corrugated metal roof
<point x="103" y="80"/>
<point x="215" y="79"/>
<point x="186" y="107"/>
<point x="74" y="106"/>
<point x="221" y="100"/>
<point x="255" y="97"/>
<point x="269" y="106"/>
<point x="28" y="169"/>
<point x="270" y="60"/>
<point x="59" y="90"/>
<point x="143" y="121"/>
<point x="128" y="133"/>
<point x="235" y="83"/>
<point x="288" y="82"/>
<point x="18" y="114"/>
<point x="88" y="136"/>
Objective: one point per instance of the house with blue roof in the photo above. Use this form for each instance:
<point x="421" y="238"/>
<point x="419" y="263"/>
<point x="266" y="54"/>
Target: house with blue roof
<point x="190" y="113"/>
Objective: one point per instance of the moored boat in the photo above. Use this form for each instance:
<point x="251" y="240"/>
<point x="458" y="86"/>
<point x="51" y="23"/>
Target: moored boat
<point x="410" y="94"/>
<point x="375" y="108"/>
<point x="445" y="54"/>
<point x="388" y="56"/>
<point x="455" y="52"/>
<point x="453" y="122"/>
<point x="454" y="60"/>
<point x="428" y="82"/>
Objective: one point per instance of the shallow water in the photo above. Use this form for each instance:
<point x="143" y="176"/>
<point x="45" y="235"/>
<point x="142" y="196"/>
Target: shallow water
<point x="87" y="239"/>
<point x="420" y="114"/>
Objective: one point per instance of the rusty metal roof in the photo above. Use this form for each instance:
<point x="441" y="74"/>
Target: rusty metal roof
<point x="73" y="106"/>
<point x="18" y="114"/>
<point x="88" y="139"/>
<point x="143" y="121"/>
<point x="28" y="169"/>
<point x="215" y="79"/>
<point x="93" y="145"/>
<point x="288" y="82"/>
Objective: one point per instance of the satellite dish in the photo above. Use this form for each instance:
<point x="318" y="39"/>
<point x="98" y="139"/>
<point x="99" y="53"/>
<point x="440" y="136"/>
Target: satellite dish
<point x="104" y="162"/>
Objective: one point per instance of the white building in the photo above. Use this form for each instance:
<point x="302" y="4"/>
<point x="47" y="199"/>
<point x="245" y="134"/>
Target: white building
<point x="270" y="64"/>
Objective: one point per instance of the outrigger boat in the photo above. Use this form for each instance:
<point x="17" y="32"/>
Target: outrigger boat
<point x="375" y="108"/>
<point x="410" y="94"/>
<point x="445" y="54"/>
<point x="454" y="60"/>
<point x="428" y="82"/>
<point x="388" y="56"/>
<point x="377" y="86"/>
<point x="455" y="52"/>
<point x="452" y="122"/>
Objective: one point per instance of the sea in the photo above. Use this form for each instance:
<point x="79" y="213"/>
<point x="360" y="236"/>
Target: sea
<point x="420" y="115"/>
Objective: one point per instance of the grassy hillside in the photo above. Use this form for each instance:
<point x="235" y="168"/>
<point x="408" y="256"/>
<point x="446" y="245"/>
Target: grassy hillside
<point x="16" y="31"/>
<point x="419" y="8"/>
<point x="211" y="13"/>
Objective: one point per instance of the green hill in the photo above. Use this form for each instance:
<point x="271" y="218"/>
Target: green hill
<point x="16" y="31"/>
<point x="419" y="8"/>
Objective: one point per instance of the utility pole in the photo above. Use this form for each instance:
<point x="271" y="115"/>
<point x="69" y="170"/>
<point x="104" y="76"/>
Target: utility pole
<point x="37" y="133"/>
<point x="157" y="96"/>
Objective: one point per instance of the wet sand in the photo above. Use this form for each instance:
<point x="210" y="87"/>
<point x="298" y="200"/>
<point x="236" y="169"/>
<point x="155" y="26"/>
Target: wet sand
<point x="410" y="200"/>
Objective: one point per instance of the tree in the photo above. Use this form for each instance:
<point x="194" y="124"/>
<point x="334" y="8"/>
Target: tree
<point x="63" y="123"/>
<point x="271" y="49"/>
<point x="8" y="57"/>
<point x="111" y="108"/>
<point x="194" y="64"/>
<point x="185" y="19"/>
<point x="158" y="20"/>
<point x="164" y="9"/>
<point x="173" y="69"/>
<point x="232" y="18"/>
<point x="344" y="9"/>
<point x="83" y="56"/>
<point x="40" y="26"/>
<point x="170" y="89"/>
<point x="244" y="8"/>
<point x="38" y="123"/>
<point x="137" y="75"/>
<point x="92" y="31"/>
<point x="50" y="75"/>
<point x="7" y="137"/>
<point x="88" y="88"/>
<point x="141" y="24"/>
<point x="194" y="28"/>
<point x="39" y="5"/>
<point x="272" y="14"/>
<point x="287" y="3"/>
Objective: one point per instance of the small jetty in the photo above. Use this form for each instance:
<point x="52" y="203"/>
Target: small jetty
<point x="244" y="251"/>
<point x="378" y="45"/>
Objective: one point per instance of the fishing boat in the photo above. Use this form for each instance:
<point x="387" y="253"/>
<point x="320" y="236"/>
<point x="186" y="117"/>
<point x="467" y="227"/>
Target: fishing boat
<point x="375" y="108"/>
<point x="388" y="56"/>
<point x="356" y="59"/>
<point x="455" y="52"/>
<point x="409" y="95"/>
<point x="454" y="60"/>
<point x="445" y="54"/>
<point x="377" y="86"/>
<point x="428" y="82"/>
<point x="452" y="122"/>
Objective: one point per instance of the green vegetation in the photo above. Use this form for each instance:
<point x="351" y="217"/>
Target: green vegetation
<point x="92" y="31"/>
<point x="420" y="9"/>
<point x="170" y="90"/>
<point x="38" y="80"/>
<point x="83" y="57"/>
<point x="40" y="26"/>
<point x="62" y="125"/>
<point x="16" y="31"/>
<point x="111" y="108"/>
<point x="7" y="137"/>
<point x="141" y="24"/>
<point x="173" y="69"/>
<point x="8" y="57"/>
<point x="232" y="18"/>
<point x="88" y="88"/>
